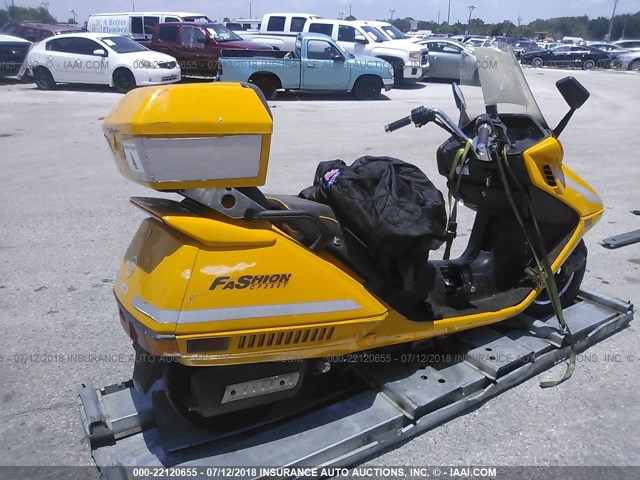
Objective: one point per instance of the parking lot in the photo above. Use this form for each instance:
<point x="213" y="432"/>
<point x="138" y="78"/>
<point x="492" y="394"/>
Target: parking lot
<point x="66" y="222"/>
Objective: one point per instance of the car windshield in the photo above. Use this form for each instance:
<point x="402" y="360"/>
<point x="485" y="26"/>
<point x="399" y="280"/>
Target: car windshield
<point x="343" y="51"/>
<point x="222" y="33"/>
<point x="393" y="32"/>
<point x="122" y="44"/>
<point x="375" y="35"/>
<point x="197" y="19"/>
<point x="502" y="83"/>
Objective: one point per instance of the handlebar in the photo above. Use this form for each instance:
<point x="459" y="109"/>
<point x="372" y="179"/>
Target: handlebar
<point x="421" y="116"/>
<point x="393" y="126"/>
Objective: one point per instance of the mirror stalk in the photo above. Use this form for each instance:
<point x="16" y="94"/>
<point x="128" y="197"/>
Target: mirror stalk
<point x="563" y="123"/>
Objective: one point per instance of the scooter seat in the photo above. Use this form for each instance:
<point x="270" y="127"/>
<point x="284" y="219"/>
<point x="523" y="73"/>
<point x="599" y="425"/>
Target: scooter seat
<point x="350" y="250"/>
<point x="345" y="244"/>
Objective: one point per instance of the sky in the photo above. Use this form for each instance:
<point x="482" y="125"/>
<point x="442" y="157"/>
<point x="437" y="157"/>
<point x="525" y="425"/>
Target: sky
<point x="491" y="11"/>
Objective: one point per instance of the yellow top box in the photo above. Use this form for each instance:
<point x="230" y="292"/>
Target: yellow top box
<point x="198" y="135"/>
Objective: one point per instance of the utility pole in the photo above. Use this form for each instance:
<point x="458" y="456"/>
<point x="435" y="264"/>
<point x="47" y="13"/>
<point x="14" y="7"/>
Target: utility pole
<point x="340" y="14"/>
<point x="519" y="20"/>
<point x="46" y="6"/>
<point x="392" y="12"/>
<point x="438" y="17"/>
<point x="350" y="11"/>
<point x="471" y="9"/>
<point x="449" y="13"/>
<point x="615" y="4"/>
<point x="250" y="15"/>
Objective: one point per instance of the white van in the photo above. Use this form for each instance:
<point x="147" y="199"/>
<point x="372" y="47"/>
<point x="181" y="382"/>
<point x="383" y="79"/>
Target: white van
<point x="138" y="25"/>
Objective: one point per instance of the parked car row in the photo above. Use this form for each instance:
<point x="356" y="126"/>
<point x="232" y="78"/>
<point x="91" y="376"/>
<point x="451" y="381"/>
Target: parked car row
<point x="290" y="51"/>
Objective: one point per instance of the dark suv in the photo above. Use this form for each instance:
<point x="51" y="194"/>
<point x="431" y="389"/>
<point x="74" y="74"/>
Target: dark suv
<point x="13" y="51"/>
<point x="36" y="31"/>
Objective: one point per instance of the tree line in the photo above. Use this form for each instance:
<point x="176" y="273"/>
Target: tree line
<point x="624" y="26"/>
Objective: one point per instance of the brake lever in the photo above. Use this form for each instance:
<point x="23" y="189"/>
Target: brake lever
<point x="501" y="132"/>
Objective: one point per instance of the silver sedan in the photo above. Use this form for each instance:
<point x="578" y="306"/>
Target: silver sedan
<point x="446" y="58"/>
<point x="627" y="61"/>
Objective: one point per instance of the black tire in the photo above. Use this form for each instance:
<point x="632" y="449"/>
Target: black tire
<point x="398" y="74"/>
<point x="123" y="80"/>
<point x="267" y="86"/>
<point x="537" y="62"/>
<point x="635" y="65"/>
<point x="367" y="87"/>
<point x="588" y="65"/>
<point x="568" y="285"/>
<point x="43" y="78"/>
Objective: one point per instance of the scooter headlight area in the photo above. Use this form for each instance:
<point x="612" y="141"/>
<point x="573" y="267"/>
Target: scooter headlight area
<point x="237" y="298"/>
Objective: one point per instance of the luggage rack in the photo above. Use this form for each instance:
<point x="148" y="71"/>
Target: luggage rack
<point x="394" y="402"/>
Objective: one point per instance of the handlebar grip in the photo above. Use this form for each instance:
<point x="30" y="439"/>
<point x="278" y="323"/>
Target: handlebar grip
<point x="484" y="130"/>
<point x="403" y="122"/>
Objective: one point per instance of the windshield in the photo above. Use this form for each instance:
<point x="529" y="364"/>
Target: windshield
<point x="375" y="35"/>
<point x="197" y="19"/>
<point x="222" y="33"/>
<point x="502" y="83"/>
<point x="393" y="32"/>
<point x="122" y="44"/>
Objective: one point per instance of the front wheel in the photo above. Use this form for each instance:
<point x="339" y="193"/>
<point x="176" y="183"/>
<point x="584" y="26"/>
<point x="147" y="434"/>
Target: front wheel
<point x="123" y="80"/>
<point x="367" y="88"/>
<point x="635" y="65"/>
<point x="589" y="65"/>
<point x="537" y="62"/>
<point x="568" y="280"/>
<point x="43" y="78"/>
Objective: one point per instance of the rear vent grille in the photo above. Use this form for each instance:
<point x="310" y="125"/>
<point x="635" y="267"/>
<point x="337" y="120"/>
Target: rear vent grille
<point x="292" y="337"/>
<point x="548" y="176"/>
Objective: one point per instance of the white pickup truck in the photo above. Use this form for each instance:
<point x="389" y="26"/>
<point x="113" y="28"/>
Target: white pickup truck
<point x="410" y="61"/>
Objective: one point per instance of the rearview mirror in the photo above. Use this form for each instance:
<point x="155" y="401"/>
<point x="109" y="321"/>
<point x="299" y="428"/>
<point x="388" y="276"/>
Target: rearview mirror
<point x="100" y="52"/>
<point x="361" y="40"/>
<point x="338" y="58"/>
<point x="575" y="95"/>
<point x="573" y="92"/>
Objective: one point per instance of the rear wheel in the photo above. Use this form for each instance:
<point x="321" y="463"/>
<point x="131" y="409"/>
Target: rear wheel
<point x="635" y="65"/>
<point x="123" y="80"/>
<point x="537" y="62"/>
<point x="267" y="86"/>
<point x="43" y="78"/>
<point x="568" y="281"/>
<point x="367" y="88"/>
<point x="589" y="65"/>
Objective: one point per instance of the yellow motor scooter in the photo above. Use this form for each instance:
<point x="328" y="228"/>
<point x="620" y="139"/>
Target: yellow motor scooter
<point x="237" y="297"/>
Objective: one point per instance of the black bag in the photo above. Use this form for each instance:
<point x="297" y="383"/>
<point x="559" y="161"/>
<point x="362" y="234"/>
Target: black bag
<point x="392" y="207"/>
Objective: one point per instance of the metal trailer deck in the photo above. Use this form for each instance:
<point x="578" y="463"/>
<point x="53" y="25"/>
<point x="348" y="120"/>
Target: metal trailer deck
<point x="400" y="400"/>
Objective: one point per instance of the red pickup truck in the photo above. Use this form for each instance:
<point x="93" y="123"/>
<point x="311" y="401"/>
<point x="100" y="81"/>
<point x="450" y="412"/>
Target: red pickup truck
<point x="197" y="46"/>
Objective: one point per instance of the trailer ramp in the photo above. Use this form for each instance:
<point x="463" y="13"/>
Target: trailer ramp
<point x="349" y="421"/>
